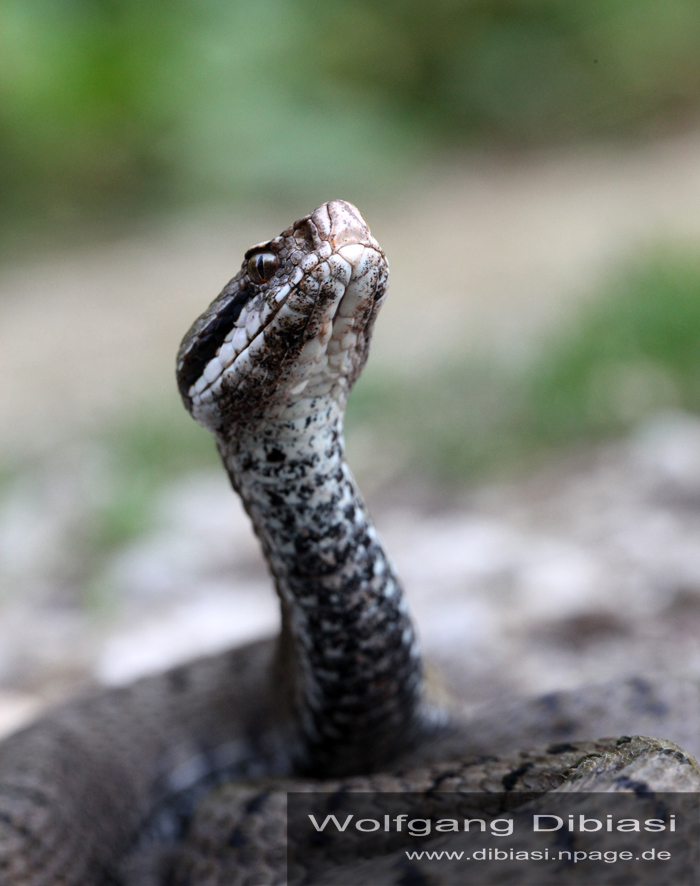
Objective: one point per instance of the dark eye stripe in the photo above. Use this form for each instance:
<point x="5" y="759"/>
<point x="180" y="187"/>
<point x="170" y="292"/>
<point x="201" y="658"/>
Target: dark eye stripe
<point x="210" y="340"/>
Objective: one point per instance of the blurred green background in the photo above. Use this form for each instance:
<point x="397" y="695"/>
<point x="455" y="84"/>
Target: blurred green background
<point x="116" y="112"/>
<point x="120" y="106"/>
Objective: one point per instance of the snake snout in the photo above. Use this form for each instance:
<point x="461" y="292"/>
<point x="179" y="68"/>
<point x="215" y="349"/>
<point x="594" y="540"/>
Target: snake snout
<point x="346" y="225"/>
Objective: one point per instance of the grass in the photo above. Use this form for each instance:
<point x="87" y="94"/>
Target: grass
<point x="632" y="349"/>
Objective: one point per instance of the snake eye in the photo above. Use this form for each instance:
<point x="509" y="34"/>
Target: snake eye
<point x="262" y="266"/>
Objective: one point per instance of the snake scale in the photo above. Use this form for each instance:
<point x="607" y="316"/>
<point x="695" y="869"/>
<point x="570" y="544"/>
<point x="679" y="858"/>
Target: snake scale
<point x="144" y="785"/>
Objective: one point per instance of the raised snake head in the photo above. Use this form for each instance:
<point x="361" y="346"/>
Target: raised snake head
<point x="291" y="329"/>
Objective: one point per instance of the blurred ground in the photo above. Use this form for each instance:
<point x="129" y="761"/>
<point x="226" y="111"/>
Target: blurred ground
<point x="590" y="568"/>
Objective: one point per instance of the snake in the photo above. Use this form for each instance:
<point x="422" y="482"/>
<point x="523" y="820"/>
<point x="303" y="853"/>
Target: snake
<point x="145" y="784"/>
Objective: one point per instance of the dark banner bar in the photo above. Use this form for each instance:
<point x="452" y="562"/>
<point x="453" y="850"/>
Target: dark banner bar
<point x="450" y="839"/>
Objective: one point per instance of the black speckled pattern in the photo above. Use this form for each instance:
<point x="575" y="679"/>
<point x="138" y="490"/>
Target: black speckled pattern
<point x="349" y="660"/>
<point x="355" y="675"/>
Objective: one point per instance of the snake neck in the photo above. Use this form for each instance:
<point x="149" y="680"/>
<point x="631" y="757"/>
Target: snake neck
<point x="347" y="650"/>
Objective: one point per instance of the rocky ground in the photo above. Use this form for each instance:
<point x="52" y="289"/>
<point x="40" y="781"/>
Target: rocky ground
<point x="586" y="568"/>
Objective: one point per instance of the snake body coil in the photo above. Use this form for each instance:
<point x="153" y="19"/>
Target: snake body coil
<point x="105" y="789"/>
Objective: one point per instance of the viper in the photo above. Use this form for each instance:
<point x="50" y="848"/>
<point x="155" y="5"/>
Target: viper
<point x="146" y="784"/>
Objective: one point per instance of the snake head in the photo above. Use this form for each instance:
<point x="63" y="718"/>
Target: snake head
<point x="292" y="327"/>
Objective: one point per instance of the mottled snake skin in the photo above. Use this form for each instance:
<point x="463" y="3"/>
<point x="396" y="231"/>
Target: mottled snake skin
<point x="124" y="786"/>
